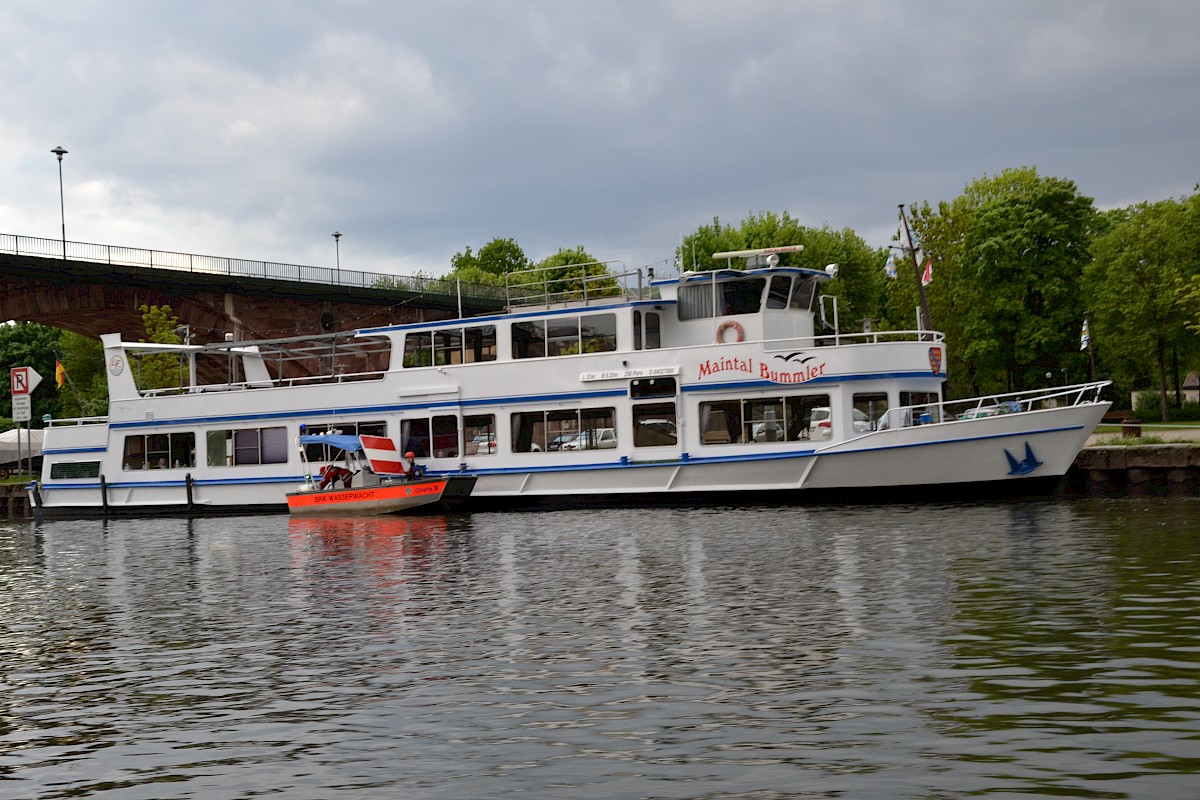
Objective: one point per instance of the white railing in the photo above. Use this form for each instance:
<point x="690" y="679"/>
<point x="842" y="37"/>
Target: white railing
<point x="992" y="405"/>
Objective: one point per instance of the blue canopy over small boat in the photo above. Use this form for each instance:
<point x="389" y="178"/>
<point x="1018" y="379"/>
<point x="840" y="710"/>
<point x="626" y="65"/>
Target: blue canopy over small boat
<point x="350" y="444"/>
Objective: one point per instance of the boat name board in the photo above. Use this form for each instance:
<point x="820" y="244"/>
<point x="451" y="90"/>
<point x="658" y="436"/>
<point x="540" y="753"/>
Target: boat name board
<point x="625" y="374"/>
<point x="801" y="370"/>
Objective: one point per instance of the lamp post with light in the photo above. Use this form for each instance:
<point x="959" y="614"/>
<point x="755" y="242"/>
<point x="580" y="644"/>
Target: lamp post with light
<point x="62" y="208"/>
<point x="337" y="246"/>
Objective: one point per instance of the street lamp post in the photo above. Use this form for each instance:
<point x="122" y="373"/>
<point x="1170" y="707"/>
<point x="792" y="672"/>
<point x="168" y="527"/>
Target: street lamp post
<point x="337" y="246"/>
<point x="62" y="208"/>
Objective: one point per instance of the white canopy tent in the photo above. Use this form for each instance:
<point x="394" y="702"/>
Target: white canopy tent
<point x="31" y="445"/>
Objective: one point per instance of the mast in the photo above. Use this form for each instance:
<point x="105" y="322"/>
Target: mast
<point x="926" y="321"/>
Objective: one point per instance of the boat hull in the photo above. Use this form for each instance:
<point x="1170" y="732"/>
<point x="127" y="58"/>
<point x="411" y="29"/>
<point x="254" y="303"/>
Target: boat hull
<point x="392" y="498"/>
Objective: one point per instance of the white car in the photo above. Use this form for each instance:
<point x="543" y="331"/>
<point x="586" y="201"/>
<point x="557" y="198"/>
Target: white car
<point x="820" y="424"/>
<point x="598" y="439"/>
<point x="981" y="411"/>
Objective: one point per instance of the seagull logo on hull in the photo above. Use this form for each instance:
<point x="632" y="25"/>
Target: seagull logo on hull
<point x="1026" y="465"/>
<point x="763" y="371"/>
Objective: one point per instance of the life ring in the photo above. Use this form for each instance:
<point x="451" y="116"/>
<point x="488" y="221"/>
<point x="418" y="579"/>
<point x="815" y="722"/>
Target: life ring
<point x="736" y="327"/>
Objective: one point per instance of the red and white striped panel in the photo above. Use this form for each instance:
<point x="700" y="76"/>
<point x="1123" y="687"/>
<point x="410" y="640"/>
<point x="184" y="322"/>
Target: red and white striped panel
<point x="383" y="455"/>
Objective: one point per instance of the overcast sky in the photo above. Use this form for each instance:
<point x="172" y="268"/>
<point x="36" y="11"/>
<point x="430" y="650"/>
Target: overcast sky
<point x="256" y="129"/>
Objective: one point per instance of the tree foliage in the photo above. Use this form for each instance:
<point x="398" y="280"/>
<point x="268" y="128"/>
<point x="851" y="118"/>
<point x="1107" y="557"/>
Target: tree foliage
<point x="859" y="285"/>
<point x="29" y="344"/>
<point x="85" y="392"/>
<point x="165" y="370"/>
<point x="1137" y="289"/>
<point x="1008" y="259"/>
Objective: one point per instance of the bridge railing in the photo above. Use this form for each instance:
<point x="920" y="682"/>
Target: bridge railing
<point x="220" y="265"/>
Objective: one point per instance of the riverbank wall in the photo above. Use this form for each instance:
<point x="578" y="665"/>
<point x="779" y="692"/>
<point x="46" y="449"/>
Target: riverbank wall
<point x="1136" y="470"/>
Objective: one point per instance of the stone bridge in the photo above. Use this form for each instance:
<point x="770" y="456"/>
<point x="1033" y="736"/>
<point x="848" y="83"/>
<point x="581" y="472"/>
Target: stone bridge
<point x="92" y="289"/>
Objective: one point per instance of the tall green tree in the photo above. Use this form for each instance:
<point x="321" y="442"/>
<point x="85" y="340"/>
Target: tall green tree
<point x="85" y="392"/>
<point x="1026" y="254"/>
<point x="30" y="344"/>
<point x="165" y="370"/>
<point x="1137" y="290"/>
<point x="1008" y="248"/>
<point x="497" y="258"/>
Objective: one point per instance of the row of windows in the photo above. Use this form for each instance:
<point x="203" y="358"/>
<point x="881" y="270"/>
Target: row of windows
<point x="726" y="298"/>
<point x="654" y="424"/>
<point x="556" y="336"/>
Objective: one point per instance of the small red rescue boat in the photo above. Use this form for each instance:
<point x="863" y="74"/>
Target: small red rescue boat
<point x="386" y="484"/>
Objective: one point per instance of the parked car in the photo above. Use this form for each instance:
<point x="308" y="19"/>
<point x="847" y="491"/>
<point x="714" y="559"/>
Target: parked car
<point x="483" y="443"/>
<point x="597" y="439"/>
<point x="981" y="411"/>
<point x="820" y="424"/>
<point x="558" y="441"/>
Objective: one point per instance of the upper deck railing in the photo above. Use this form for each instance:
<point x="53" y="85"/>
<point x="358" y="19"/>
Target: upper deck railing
<point x="239" y="267"/>
<point x="573" y="283"/>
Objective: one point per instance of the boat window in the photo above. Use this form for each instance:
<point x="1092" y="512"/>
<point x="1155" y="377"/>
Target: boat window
<point x="447" y="346"/>
<point x="418" y="349"/>
<point x="479" y="434"/>
<point x="653" y="330"/>
<point x="777" y="295"/>
<point x="479" y="344"/>
<point x="758" y="420"/>
<point x="159" y="451"/>
<point x="655" y="425"/>
<point x="742" y="297"/>
<point x="873" y="406"/>
<point x="646" y="331"/>
<point x="733" y="297"/>
<point x="564" y="430"/>
<point x="642" y="388"/>
<point x="695" y="301"/>
<point x="414" y="436"/>
<point x="322" y="452"/>
<point x="803" y="291"/>
<point x="562" y="336"/>
<point x="924" y="407"/>
<point x="529" y="339"/>
<point x="247" y="446"/>
<point x="445" y="436"/>
<point x="75" y="469"/>
<point x="450" y="346"/>
<point x="598" y="333"/>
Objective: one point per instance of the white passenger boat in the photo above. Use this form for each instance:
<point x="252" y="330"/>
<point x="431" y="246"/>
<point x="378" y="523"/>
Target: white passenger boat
<point x="735" y="384"/>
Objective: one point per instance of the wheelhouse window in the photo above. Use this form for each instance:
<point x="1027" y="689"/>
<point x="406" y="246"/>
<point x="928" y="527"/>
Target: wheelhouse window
<point x="763" y="420"/>
<point x="744" y="296"/>
<point x="245" y="446"/>
<point x="804" y="289"/>
<point x="159" y="451"/>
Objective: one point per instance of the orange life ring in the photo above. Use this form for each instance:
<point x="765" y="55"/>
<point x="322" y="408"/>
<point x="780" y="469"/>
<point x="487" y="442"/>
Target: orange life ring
<point x="736" y="327"/>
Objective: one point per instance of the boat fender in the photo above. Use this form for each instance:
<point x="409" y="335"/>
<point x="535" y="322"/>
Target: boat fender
<point x="739" y="333"/>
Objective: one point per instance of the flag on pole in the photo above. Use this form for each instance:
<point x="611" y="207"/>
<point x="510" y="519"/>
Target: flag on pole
<point x="889" y="268"/>
<point x="927" y="275"/>
<point x="1085" y="337"/>
<point x="60" y="373"/>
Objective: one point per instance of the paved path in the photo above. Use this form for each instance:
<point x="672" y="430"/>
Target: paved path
<point x="1167" y="434"/>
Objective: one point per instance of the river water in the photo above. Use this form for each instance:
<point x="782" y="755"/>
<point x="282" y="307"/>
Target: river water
<point x="1025" y="649"/>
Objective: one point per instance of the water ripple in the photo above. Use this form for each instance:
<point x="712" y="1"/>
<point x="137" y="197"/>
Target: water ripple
<point x="1012" y="649"/>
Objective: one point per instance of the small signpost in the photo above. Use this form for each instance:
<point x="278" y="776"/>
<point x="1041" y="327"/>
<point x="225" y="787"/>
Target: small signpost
<point x="23" y="380"/>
